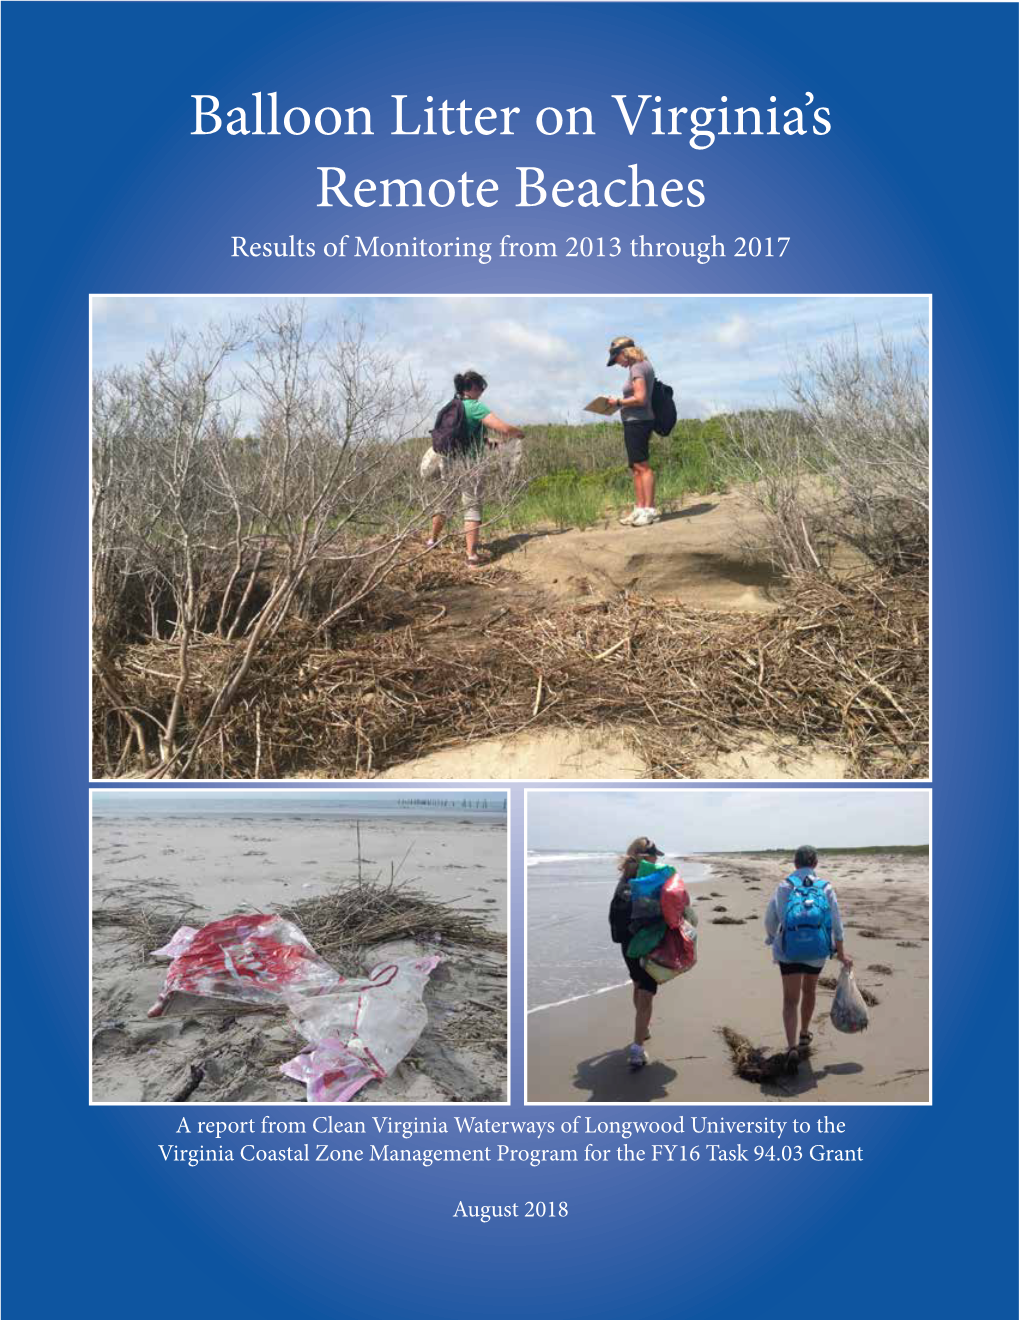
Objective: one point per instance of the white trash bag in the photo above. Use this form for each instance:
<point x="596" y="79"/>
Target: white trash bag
<point x="431" y="464"/>
<point x="849" y="1011"/>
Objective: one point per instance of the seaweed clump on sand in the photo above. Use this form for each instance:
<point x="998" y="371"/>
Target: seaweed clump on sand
<point x="751" y="1062"/>
<point x="727" y="921"/>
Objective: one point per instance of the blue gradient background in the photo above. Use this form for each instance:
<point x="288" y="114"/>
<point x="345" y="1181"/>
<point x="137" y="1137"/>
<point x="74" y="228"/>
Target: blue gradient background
<point x="912" y="191"/>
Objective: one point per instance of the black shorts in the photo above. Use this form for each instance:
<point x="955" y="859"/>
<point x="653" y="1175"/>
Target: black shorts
<point x="636" y="436"/>
<point x="639" y="976"/>
<point x="798" y="969"/>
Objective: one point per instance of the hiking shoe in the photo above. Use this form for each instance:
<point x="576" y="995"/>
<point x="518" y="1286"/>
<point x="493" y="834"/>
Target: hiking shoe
<point x="636" y="1057"/>
<point x="644" y="518"/>
<point x="628" y="518"/>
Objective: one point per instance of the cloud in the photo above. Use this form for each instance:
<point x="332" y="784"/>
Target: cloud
<point x="734" y="332"/>
<point x="545" y="357"/>
<point x="531" y="342"/>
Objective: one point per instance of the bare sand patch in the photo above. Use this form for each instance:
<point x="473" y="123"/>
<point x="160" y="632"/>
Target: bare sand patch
<point x="694" y="554"/>
<point x="776" y="758"/>
<point x="612" y="754"/>
<point x="548" y="754"/>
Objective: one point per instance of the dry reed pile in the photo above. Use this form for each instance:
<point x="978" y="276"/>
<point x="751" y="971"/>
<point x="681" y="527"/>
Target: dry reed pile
<point x="844" y="664"/>
<point x="368" y="912"/>
<point x="339" y="926"/>
<point x="146" y="928"/>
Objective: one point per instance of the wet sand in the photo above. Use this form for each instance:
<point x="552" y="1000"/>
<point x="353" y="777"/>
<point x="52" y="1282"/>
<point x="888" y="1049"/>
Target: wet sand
<point x="211" y="867"/>
<point x="576" y="1051"/>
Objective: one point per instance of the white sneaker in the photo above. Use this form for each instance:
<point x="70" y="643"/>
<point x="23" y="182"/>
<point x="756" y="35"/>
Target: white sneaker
<point x="636" y="1056"/>
<point x="653" y="514"/>
<point x="628" y="518"/>
<point x="644" y="518"/>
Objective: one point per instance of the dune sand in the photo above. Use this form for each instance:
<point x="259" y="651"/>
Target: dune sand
<point x="551" y="754"/>
<point x="695" y="554"/>
<point x="612" y="754"/>
<point x="575" y="1051"/>
<point x="699" y="554"/>
<point x="206" y="868"/>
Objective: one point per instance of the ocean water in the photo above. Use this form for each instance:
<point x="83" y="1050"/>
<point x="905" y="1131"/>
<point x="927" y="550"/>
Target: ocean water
<point x="570" y="954"/>
<point x="162" y="804"/>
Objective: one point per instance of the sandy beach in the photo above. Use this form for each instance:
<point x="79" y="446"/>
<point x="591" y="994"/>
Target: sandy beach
<point x="575" y="1050"/>
<point x="201" y="868"/>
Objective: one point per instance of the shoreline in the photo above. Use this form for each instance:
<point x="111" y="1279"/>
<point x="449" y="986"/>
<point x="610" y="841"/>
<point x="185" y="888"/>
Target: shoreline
<point x="575" y="1049"/>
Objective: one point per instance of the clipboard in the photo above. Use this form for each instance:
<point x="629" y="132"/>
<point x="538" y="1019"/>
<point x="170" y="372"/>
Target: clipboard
<point x="601" y="405"/>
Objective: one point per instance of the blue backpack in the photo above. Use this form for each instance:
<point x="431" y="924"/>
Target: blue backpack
<point x="807" y="921"/>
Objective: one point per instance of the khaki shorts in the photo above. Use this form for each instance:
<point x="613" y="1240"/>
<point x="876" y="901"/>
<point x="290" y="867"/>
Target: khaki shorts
<point x="465" y="478"/>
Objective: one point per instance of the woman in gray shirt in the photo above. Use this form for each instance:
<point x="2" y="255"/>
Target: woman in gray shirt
<point x="635" y="405"/>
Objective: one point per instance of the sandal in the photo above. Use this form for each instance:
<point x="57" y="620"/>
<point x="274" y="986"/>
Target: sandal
<point x="792" y="1061"/>
<point x="804" y="1044"/>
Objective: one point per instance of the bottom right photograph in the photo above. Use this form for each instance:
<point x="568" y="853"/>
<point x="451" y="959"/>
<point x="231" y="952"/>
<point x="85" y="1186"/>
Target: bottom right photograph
<point x="731" y="945"/>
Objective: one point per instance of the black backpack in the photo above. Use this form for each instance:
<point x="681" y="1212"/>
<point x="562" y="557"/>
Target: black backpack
<point x="450" y="433"/>
<point x="619" y="913"/>
<point x="663" y="408"/>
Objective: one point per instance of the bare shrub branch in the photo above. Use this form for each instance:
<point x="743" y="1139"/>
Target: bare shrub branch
<point x="849" y="463"/>
<point x="245" y="478"/>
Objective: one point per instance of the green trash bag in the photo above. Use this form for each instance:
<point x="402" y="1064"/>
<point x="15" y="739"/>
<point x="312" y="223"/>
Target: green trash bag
<point x="646" y="939"/>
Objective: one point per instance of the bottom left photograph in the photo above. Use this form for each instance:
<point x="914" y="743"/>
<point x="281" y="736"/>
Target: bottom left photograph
<point x="294" y="945"/>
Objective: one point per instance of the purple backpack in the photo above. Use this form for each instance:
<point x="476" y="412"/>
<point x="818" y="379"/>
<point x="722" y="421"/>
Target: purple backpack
<point x="450" y="433"/>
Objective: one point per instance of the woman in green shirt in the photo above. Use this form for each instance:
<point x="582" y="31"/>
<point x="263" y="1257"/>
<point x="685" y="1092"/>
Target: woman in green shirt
<point x="467" y="463"/>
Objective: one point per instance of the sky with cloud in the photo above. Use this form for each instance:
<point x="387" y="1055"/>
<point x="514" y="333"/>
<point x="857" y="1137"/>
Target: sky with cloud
<point x="545" y="358"/>
<point x="694" y="820"/>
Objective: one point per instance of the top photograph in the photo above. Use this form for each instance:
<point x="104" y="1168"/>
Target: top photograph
<point x="510" y="538"/>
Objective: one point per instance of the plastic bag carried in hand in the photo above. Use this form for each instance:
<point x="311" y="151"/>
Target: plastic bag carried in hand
<point x="676" y="954"/>
<point x="646" y="891"/>
<point x="849" y="1012"/>
<point x="431" y="465"/>
<point x="644" y="940"/>
<point x="674" y="900"/>
<point x="254" y="958"/>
